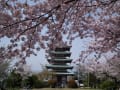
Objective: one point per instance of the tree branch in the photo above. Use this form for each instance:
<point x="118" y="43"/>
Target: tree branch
<point x="56" y="7"/>
<point x="108" y="3"/>
<point x="29" y="19"/>
<point x="33" y="26"/>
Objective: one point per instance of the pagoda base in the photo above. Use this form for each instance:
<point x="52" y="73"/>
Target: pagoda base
<point x="61" y="81"/>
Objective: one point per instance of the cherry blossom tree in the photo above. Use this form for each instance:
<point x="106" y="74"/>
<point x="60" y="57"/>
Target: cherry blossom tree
<point x="35" y="24"/>
<point x="23" y="69"/>
<point x="113" y="66"/>
<point x="109" y="69"/>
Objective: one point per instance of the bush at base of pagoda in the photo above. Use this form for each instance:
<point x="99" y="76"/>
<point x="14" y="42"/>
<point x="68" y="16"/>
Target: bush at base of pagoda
<point x="52" y="83"/>
<point x="72" y="84"/>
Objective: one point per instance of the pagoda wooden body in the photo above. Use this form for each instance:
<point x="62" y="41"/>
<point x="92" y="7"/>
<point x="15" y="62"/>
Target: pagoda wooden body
<point x="59" y="60"/>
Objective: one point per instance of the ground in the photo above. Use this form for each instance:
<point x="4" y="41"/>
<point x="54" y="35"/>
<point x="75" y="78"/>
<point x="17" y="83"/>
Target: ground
<point x="55" y="89"/>
<point x="64" y="89"/>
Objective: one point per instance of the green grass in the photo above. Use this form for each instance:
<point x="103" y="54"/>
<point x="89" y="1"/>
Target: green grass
<point x="64" y="89"/>
<point x="12" y="89"/>
<point x="57" y="89"/>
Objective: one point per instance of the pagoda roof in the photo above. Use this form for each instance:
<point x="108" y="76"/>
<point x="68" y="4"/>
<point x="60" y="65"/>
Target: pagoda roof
<point x="60" y="54"/>
<point x="59" y="67"/>
<point x="65" y="48"/>
<point x="60" y="60"/>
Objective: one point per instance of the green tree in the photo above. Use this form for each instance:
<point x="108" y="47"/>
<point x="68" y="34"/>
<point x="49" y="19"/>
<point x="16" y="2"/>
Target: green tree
<point x="33" y="82"/>
<point x="4" y="64"/>
<point x="108" y="85"/>
<point x="92" y="80"/>
<point x="3" y="69"/>
<point x="14" y="80"/>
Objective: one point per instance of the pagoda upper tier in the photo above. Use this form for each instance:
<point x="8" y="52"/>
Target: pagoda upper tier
<point x="60" y="54"/>
<point x="66" y="48"/>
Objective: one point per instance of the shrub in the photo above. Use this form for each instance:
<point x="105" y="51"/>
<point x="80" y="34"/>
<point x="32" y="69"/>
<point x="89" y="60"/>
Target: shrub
<point x="52" y="83"/>
<point x="72" y="84"/>
<point x="39" y="84"/>
<point x="107" y="85"/>
<point x="13" y="80"/>
<point x="33" y="82"/>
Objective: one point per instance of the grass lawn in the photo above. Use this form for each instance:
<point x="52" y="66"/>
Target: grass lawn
<point x="64" y="89"/>
<point x="57" y="89"/>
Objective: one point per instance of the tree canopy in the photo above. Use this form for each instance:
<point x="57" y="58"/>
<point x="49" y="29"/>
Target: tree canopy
<point x="34" y="24"/>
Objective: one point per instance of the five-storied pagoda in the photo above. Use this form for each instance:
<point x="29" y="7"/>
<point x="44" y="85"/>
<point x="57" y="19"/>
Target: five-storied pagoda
<point x="59" y="63"/>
